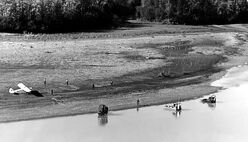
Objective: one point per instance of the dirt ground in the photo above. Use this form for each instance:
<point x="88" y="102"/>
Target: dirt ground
<point x="156" y="64"/>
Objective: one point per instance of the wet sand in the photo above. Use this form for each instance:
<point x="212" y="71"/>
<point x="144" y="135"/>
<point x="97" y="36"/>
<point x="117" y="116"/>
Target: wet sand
<point x="224" y="121"/>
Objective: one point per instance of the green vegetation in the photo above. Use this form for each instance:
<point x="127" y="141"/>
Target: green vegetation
<point x="56" y="16"/>
<point x="62" y="15"/>
<point x="194" y="11"/>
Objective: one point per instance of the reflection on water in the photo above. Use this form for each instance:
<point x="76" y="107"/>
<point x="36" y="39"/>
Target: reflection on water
<point x="177" y="113"/>
<point x="102" y="120"/>
<point x="226" y="123"/>
<point x="137" y="109"/>
<point x="212" y="106"/>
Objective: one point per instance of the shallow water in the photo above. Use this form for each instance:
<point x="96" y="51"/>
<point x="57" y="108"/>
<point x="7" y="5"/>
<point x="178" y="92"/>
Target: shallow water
<point x="227" y="121"/>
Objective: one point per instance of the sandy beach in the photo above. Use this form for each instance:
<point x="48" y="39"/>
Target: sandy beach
<point x="156" y="67"/>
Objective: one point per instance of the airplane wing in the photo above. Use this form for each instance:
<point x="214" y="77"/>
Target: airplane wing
<point x="23" y="87"/>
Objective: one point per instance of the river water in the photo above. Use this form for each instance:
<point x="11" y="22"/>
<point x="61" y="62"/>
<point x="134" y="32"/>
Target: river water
<point x="225" y="121"/>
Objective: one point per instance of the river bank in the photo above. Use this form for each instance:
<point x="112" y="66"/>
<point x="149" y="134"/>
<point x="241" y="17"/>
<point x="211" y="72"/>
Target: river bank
<point x="137" y="66"/>
<point x="223" y="121"/>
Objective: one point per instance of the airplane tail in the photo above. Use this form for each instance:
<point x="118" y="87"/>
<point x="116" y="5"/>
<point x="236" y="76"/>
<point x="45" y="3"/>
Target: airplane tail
<point x="11" y="90"/>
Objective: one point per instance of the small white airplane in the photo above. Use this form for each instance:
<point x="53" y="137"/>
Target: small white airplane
<point x="23" y="89"/>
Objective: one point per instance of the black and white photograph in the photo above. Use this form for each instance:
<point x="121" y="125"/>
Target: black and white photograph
<point x="124" y="70"/>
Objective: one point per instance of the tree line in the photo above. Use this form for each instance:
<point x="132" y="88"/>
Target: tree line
<point x="62" y="15"/>
<point x="194" y="11"/>
<point x="46" y="16"/>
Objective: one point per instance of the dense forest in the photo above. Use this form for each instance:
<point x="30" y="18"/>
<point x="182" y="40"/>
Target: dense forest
<point x="48" y="16"/>
<point x="194" y="11"/>
<point x="63" y="15"/>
